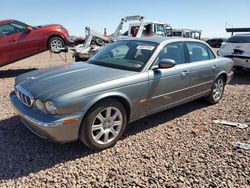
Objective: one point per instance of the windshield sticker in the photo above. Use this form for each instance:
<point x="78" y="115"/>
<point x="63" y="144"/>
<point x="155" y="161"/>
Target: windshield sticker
<point x="137" y="65"/>
<point x="143" y="47"/>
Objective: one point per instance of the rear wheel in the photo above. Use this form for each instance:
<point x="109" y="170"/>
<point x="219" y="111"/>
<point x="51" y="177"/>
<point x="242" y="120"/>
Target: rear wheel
<point x="217" y="90"/>
<point x="55" y="44"/>
<point x="103" y="125"/>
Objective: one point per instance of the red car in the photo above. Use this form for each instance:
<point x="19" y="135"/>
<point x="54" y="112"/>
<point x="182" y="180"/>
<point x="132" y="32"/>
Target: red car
<point x="19" y="40"/>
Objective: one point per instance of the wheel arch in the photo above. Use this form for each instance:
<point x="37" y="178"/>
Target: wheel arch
<point x="123" y="99"/>
<point x="222" y="74"/>
<point x="55" y="35"/>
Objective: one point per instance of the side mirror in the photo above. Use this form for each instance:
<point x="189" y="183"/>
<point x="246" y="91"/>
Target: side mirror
<point x="28" y="29"/>
<point x="166" y="63"/>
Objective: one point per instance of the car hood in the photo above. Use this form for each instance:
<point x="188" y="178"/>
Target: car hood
<point x="48" y="82"/>
<point x="48" y="25"/>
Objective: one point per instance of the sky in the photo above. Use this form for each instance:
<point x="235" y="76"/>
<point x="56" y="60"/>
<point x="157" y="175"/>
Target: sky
<point x="210" y="16"/>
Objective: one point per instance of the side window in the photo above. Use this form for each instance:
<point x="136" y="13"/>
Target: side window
<point x="12" y="28"/>
<point x="120" y="52"/>
<point x="160" y="30"/>
<point x="7" y="29"/>
<point x="197" y="51"/>
<point x="1" y="34"/>
<point x="174" y="51"/>
<point x="134" y="31"/>
<point x="211" y="54"/>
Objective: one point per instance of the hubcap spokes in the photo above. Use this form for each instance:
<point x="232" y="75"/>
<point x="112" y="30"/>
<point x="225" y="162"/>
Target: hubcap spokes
<point x="218" y="89"/>
<point x="56" y="45"/>
<point x="107" y="125"/>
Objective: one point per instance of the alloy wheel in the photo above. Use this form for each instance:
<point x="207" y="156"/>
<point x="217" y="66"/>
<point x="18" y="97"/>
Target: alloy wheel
<point x="107" y="125"/>
<point x="56" y="45"/>
<point x="218" y="89"/>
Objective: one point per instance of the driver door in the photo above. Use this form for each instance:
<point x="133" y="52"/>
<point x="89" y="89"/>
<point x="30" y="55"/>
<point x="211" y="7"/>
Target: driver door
<point x="17" y="43"/>
<point x="8" y="44"/>
<point x="169" y="87"/>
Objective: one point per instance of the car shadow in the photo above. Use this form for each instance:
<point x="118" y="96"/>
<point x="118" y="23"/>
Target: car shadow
<point x="13" y="72"/>
<point x="241" y="77"/>
<point x="22" y="152"/>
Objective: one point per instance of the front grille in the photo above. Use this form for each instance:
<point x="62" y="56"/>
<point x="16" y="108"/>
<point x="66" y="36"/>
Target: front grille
<point x="24" y="96"/>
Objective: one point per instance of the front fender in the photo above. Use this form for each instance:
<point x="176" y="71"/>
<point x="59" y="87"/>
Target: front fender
<point x="102" y="96"/>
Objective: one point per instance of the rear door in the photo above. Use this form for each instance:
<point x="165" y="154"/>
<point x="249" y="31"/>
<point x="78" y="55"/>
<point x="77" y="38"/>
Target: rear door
<point x="203" y="65"/>
<point x="169" y="86"/>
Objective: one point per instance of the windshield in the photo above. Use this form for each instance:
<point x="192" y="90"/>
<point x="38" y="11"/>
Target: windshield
<point x="126" y="54"/>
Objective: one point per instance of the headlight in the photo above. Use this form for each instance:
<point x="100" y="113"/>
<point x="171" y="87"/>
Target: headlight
<point x="39" y="105"/>
<point x="50" y="107"/>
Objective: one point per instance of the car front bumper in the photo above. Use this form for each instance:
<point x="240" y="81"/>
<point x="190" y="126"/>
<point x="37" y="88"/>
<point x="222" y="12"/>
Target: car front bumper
<point x="47" y="126"/>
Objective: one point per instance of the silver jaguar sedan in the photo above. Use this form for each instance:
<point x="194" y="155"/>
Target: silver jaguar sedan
<point x="94" y="101"/>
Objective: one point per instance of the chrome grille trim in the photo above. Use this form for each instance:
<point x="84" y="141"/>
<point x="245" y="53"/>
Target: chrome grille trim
<point x="24" y="96"/>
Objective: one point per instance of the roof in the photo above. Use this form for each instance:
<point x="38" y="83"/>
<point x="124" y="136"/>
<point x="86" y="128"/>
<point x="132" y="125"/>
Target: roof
<point x="243" y="29"/>
<point x="242" y="34"/>
<point x="217" y="38"/>
<point x="159" y="39"/>
<point x="188" y="30"/>
<point x="2" y="22"/>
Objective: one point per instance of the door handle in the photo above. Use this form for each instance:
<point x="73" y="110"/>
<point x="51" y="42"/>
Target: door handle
<point x="12" y="39"/>
<point x="214" y="67"/>
<point x="184" y="73"/>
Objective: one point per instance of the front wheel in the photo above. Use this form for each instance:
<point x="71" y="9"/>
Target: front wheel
<point x="55" y="44"/>
<point x="103" y="125"/>
<point x="217" y="91"/>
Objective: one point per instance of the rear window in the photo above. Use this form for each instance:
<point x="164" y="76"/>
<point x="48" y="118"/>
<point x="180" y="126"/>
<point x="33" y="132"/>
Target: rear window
<point x="239" y="39"/>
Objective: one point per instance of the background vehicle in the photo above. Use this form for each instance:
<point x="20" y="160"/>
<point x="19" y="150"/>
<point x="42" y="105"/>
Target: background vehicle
<point x="237" y="48"/>
<point x="95" y="41"/>
<point x="19" y="40"/>
<point x="186" y="33"/>
<point x="125" y="81"/>
<point x="215" y="42"/>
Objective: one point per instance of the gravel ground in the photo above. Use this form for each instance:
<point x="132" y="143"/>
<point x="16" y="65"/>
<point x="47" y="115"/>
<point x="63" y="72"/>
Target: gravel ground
<point x="180" y="147"/>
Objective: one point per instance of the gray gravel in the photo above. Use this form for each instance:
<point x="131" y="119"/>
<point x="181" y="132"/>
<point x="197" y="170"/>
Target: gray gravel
<point x="175" y="148"/>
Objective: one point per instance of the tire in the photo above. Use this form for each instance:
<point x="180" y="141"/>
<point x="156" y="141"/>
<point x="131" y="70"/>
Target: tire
<point x="78" y="59"/>
<point x="108" y="129"/>
<point x="55" y="43"/>
<point x="217" y="90"/>
<point x="99" y="42"/>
